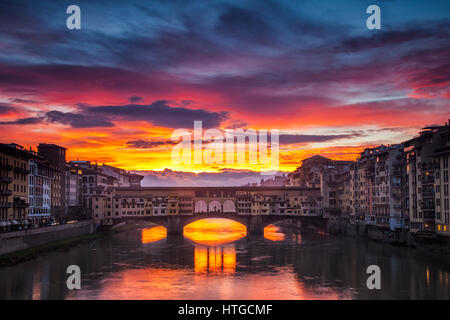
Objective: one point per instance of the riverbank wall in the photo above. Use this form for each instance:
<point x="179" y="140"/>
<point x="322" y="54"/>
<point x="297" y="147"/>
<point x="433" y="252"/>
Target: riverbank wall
<point x="437" y="244"/>
<point x="25" y="239"/>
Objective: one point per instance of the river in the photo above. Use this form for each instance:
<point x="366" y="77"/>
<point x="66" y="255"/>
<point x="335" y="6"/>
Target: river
<point x="215" y="260"/>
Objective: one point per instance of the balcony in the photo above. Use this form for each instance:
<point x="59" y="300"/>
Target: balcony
<point x="5" y="179"/>
<point x="5" y="192"/>
<point x="428" y="193"/>
<point x="428" y="166"/>
<point x="369" y="173"/>
<point x="427" y="207"/>
<point x="7" y="167"/>
<point x="19" y="203"/>
<point x="5" y="204"/>
<point x="21" y="170"/>
<point x="428" y="179"/>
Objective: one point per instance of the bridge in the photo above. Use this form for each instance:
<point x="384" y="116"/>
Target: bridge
<point x="176" y="207"/>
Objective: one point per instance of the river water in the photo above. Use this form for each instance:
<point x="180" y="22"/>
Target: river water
<point x="215" y="260"/>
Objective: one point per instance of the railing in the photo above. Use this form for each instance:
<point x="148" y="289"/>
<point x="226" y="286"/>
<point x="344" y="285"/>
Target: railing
<point x="5" y="167"/>
<point x="428" y="179"/>
<point x="21" y="170"/>
<point x="427" y="193"/>
<point x="5" y="179"/>
<point x="20" y="204"/>
<point x="5" y="204"/>
<point x="5" y="192"/>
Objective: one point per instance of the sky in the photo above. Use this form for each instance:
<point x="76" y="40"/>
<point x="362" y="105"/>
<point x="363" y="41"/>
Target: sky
<point x="115" y="90"/>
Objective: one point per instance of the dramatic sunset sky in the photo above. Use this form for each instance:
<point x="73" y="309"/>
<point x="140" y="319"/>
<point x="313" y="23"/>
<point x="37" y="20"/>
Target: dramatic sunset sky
<point x="115" y="90"/>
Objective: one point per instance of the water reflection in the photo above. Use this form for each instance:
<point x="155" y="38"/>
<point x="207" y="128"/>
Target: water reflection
<point x="215" y="259"/>
<point x="211" y="255"/>
<point x="273" y="233"/>
<point x="211" y="232"/>
<point x="144" y="264"/>
<point x="37" y="286"/>
<point x="153" y="234"/>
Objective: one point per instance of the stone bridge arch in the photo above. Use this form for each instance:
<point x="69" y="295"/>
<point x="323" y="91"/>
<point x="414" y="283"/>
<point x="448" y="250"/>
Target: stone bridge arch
<point x="255" y="224"/>
<point x="215" y="215"/>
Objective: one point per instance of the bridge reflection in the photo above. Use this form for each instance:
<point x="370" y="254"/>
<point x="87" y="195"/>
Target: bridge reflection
<point x="221" y="259"/>
<point x="272" y="232"/>
<point x="214" y="251"/>
<point x="153" y="234"/>
<point x="211" y="232"/>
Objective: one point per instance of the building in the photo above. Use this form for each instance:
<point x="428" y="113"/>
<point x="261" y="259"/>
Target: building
<point x="376" y="180"/>
<point x="134" y="180"/>
<point x="56" y="155"/>
<point x="345" y="193"/>
<point x="441" y="175"/>
<point x="276" y="181"/>
<point x="309" y="173"/>
<point x="323" y="173"/>
<point x="40" y="179"/>
<point x="72" y="194"/>
<point x="426" y="185"/>
<point x="14" y="172"/>
<point x="95" y="181"/>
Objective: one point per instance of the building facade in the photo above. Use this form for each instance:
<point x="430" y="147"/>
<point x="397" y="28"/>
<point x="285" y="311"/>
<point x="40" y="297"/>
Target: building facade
<point x="56" y="155"/>
<point x="426" y="180"/>
<point x="13" y="186"/>
<point x="41" y="177"/>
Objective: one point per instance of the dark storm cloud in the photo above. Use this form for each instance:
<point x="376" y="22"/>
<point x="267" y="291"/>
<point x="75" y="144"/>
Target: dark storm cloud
<point x="66" y="118"/>
<point x="135" y="99"/>
<point x="243" y="23"/>
<point x="6" y="108"/>
<point x="23" y="121"/>
<point x="149" y="144"/>
<point x="23" y="101"/>
<point x="77" y="120"/>
<point x="254" y="56"/>
<point x="161" y="114"/>
<point x="440" y="30"/>
<point x="306" y="138"/>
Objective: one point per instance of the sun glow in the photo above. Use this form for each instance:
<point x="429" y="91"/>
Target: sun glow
<point x="272" y="232"/>
<point x="213" y="232"/>
<point x="153" y="234"/>
<point x="215" y="259"/>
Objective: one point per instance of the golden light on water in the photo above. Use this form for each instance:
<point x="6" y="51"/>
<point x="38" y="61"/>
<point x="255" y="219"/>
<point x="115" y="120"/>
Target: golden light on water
<point x="215" y="259"/>
<point x="153" y="234"/>
<point x="273" y="233"/>
<point x="213" y="232"/>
